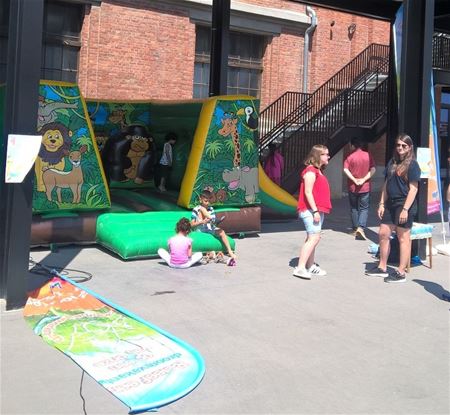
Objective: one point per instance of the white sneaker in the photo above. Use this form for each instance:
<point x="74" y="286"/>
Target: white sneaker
<point x="301" y="273"/>
<point x="316" y="270"/>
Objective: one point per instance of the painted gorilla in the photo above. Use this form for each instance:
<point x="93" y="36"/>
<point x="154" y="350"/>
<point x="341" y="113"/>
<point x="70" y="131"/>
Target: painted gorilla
<point x="129" y="156"/>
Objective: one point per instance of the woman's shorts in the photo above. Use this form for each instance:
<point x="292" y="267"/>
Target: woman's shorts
<point x="311" y="227"/>
<point x="392" y="212"/>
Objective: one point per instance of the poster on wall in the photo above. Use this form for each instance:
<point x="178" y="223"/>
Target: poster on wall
<point x="21" y="154"/>
<point x="424" y="160"/>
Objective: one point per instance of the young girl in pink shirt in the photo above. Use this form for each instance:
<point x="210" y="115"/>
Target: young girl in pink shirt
<point x="180" y="247"/>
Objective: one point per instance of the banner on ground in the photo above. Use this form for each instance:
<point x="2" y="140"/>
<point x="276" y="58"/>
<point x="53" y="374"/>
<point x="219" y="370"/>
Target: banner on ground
<point x="140" y="364"/>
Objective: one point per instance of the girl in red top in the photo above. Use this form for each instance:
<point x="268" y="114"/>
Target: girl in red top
<point x="313" y="202"/>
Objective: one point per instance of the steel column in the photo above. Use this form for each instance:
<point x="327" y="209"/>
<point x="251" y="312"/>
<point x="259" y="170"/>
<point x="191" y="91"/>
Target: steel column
<point x="392" y="114"/>
<point x="21" y="106"/>
<point x="415" y="81"/>
<point x="219" y="47"/>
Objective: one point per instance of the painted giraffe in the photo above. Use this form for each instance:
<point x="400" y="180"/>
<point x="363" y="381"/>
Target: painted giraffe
<point x="229" y="127"/>
<point x="244" y="178"/>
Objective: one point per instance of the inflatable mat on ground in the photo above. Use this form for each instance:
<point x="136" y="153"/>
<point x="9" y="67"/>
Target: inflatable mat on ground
<point x="140" y="364"/>
<point x="68" y="227"/>
<point x="140" y="235"/>
<point x="237" y="220"/>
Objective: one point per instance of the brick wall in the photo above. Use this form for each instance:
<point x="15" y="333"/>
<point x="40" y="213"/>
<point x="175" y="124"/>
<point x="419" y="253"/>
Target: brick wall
<point x="332" y="47"/>
<point x="140" y="52"/>
<point x="136" y="49"/>
<point x="283" y="65"/>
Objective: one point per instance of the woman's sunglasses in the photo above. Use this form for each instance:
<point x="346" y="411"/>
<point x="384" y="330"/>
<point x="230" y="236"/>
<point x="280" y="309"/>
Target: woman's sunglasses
<point x="402" y="145"/>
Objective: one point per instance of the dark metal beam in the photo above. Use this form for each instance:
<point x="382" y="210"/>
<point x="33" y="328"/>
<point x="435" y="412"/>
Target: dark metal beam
<point x="392" y="114"/>
<point x="415" y="79"/>
<point x="219" y="47"/>
<point x="441" y="77"/>
<point x="21" y="106"/>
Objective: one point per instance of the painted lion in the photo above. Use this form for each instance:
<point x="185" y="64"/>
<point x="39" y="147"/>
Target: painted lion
<point x="56" y="143"/>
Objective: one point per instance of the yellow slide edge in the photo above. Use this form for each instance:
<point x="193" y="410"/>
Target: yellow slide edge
<point x="273" y="190"/>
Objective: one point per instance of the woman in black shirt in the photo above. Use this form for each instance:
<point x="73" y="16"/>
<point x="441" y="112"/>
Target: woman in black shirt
<point x="398" y="207"/>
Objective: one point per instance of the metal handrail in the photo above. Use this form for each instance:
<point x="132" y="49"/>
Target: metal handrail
<point x="355" y="108"/>
<point x="375" y="58"/>
<point x="276" y="113"/>
<point x="441" y="51"/>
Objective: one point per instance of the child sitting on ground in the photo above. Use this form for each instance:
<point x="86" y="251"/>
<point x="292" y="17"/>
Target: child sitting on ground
<point x="180" y="247"/>
<point x="203" y="218"/>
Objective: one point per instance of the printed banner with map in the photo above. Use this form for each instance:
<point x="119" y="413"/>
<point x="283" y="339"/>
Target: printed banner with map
<point x="140" y="364"/>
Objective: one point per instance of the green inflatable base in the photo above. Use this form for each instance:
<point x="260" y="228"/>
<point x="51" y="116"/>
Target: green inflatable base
<point x="140" y="235"/>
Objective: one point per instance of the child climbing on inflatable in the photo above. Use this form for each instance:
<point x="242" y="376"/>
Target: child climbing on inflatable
<point x="180" y="247"/>
<point x="204" y="219"/>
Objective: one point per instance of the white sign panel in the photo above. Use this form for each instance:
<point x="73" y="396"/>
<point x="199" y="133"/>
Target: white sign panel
<point x="21" y="153"/>
<point x="424" y="160"/>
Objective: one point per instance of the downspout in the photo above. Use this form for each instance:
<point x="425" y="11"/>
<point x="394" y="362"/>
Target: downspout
<point x="312" y="14"/>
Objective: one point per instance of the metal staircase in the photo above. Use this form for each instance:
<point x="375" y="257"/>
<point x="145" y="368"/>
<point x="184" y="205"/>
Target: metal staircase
<point x="356" y="96"/>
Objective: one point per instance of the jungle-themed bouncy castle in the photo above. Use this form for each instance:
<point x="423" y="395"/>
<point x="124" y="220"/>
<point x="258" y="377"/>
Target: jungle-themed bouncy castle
<point x="99" y="160"/>
<point x="95" y="173"/>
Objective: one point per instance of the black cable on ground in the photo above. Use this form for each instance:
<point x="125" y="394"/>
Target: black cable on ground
<point x="81" y="393"/>
<point x="41" y="269"/>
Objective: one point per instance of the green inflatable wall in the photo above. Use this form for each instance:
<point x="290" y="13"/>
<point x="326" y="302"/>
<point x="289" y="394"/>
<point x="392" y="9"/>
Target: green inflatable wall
<point x="68" y="171"/>
<point x="228" y="164"/>
<point x="110" y="118"/>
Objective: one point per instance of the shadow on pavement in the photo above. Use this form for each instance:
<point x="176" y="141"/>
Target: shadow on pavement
<point x="436" y="289"/>
<point x="40" y="272"/>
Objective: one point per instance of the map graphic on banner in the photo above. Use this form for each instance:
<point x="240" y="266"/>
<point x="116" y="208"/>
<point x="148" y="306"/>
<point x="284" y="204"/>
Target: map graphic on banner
<point x="140" y="364"/>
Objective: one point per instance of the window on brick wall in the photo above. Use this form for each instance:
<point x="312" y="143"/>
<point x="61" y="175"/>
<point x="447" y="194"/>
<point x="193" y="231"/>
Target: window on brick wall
<point x="244" y="63"/>
<point x="61" y="40"/>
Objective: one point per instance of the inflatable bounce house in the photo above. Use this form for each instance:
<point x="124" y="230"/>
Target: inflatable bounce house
<point x="97" y="171"/>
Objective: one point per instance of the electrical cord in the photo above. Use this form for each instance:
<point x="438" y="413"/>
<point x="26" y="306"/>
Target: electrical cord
<point x="38" y="268"/>
<point x="81" y="392"/>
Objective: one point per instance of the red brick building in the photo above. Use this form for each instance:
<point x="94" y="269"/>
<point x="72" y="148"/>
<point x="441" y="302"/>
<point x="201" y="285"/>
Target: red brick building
<point x="142" y="49"/>
<point x="159" y="49"/>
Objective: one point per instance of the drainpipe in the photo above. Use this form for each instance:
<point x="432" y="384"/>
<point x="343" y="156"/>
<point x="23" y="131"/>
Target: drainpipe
<point x="312" y="14"/>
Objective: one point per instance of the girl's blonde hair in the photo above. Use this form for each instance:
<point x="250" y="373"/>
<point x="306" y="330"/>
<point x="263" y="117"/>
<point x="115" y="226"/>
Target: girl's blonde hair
<point x="401" y="166"/>
<point x="313" y="158"/>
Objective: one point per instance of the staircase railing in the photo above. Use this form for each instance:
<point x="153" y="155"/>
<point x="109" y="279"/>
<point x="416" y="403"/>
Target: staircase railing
<point x="375" y="58"/>
<point x="350" y="108"/>
<point x="441" y="51"/>
<point x="276" y="113"/>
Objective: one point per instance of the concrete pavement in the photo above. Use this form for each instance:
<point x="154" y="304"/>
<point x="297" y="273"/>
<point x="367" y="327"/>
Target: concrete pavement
<point x="272" y="343"/>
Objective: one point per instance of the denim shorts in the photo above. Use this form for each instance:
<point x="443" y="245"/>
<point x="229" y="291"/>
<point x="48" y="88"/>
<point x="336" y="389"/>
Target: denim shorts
<point x="311" y="227"/>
